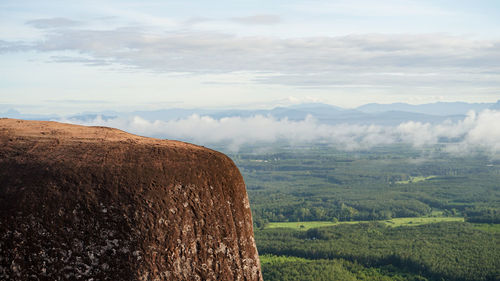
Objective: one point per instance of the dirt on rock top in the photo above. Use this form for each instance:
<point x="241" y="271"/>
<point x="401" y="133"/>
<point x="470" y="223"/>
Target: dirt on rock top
<point x="67" y="132"/>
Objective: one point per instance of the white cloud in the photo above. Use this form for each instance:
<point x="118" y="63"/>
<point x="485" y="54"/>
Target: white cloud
<point x="484" y="131"/>
<point x="53" y="23"/>
<point x="368" y="8"/>
<point x="368" y="60"/>
<point x="258" y="19"/>
<point x="475" y="132"/>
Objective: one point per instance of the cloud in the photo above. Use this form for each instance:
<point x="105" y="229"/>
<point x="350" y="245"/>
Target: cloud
<point x="258" y="19"/>
<point x="366" y="60"/>
<point x="225" y="53"/>
<point x="476" y="132"/>
<point x="197" y="20"/>
<point x="53" y="23"/>
<point x="16" y="46"/>
<point x="485" y="132"/>
<point x="373" y="60"/>
<point x="77" y="101"/>
<point x="82" y="60"/>
<point x="368" y="8"/>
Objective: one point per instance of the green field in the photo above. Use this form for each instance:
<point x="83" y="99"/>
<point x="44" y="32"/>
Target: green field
<point x="415" y="179"/>
<point x="420" y="220"/>
<point x="488" y="227"/>
<point x="305" y="225"/>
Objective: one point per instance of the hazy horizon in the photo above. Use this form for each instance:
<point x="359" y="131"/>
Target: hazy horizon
<point x="291" y="102"/>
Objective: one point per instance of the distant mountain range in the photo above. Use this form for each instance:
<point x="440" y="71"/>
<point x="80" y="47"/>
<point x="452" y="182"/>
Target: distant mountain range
<point x="380" y="114"/>
<point x="438" y="108"/>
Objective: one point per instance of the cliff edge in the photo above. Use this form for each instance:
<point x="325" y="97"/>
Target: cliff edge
<point x="95" y="203"/>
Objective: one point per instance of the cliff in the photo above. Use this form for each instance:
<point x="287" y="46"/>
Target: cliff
<point x="95" y="203"/>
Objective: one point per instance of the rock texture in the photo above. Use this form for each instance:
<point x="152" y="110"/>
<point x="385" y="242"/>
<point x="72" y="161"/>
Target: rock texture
<point x="94" y="203"/>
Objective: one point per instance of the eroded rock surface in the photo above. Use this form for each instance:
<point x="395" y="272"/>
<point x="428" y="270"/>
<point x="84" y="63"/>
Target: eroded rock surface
<point x="94" y="203"/>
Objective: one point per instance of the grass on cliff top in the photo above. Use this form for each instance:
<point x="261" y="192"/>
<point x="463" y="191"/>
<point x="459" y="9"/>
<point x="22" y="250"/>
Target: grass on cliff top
<point x="305" y="225"/>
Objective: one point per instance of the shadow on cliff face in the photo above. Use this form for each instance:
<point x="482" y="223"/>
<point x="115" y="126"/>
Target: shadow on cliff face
<point x="91" y="202"/>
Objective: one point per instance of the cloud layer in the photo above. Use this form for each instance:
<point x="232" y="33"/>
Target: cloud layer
<point x="476" y="132"/>
<point x="363" y="60"/>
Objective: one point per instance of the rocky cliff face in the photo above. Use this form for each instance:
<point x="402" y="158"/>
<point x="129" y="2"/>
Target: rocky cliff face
<point x="94" y="203"/>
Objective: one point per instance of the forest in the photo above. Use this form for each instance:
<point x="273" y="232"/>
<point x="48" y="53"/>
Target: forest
<point x="449" y="251"/>
<point x="388" y="213"/>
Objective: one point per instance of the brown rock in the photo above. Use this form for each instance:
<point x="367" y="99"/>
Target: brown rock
<point x="94" y="203"/>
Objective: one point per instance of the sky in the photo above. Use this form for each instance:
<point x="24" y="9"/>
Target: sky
<point x="68" y="57"/>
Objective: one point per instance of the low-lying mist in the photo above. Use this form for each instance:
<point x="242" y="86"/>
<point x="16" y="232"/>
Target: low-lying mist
<point x="476" y="132"/>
